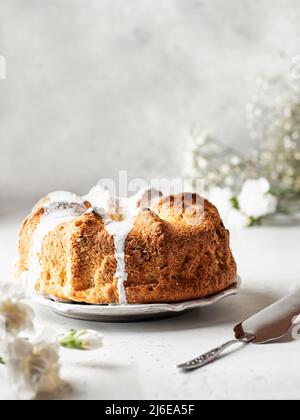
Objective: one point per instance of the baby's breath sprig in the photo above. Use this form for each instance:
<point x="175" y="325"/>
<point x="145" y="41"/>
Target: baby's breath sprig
<point x="273" y="121"/>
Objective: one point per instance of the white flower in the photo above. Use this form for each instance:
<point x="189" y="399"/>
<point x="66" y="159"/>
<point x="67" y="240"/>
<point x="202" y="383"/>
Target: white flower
<point x="18" y="315"/>
<point x="255" y="200"/>
<point x="33" y="367"/>
<point x="91" y="340"/>
<point x="82" y="340"/>
<point x="237" y="220"/>
<point x="222" y="199"/>
<point x="13" y="289"/>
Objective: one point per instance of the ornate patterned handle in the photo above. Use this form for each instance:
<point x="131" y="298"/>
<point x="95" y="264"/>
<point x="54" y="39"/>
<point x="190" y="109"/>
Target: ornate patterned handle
<point x="212" y="355"/>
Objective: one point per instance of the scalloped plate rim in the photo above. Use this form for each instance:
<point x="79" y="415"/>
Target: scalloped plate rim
<point x="94" y="312"/>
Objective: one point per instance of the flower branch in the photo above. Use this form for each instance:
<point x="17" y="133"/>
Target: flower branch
<point x="273" y="121"/>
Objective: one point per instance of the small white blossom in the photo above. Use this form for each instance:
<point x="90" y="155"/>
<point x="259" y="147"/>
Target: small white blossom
<point x="202" y="138"/>
<point x="82" y="340"/>
<point x="33" y="367"/>
<point x="92" y="340"/>
<point x="229" y="181"/>
<point x="222" y="198"/>
<point x="235" y="161"/>
<point x="225" y="169"/>
<point x="255" y="200"/>
<point x="18" y="315"/>
<point x="202" y="163"/>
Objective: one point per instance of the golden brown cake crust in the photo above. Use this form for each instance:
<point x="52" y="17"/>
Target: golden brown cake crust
<point x="172" y="254"/>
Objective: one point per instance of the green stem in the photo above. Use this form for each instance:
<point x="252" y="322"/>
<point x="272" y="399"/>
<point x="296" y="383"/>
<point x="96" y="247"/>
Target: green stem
<point x="235" y="203"/>
<point x="253" y="221"/>
<point x="3" y="360"/>
<point x="72" y="340"/>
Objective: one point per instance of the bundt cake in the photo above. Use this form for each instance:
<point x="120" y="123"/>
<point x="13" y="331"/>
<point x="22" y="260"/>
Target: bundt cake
<point x="147" y="249"/>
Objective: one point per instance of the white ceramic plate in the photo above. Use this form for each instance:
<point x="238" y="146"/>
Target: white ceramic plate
<point x="127" y="313"/>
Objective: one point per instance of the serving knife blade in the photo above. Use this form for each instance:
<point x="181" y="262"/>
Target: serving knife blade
<point x="272" y="323"/>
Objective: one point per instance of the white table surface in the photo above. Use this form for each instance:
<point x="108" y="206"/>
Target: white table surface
<point x="138" y="360"/>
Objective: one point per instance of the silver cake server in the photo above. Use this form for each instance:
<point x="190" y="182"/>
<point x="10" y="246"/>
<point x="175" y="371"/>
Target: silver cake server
<point x="272" y="323"/>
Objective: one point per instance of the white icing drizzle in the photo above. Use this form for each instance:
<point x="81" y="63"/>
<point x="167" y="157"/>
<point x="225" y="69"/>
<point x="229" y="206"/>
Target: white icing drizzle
<point x="59" y="197"/>
<point x="63" y="207"/>
<point x="120" y="232"/>
<point x="102" y="205"/>
<point x="54" y="215"/>
<point x="98" y="197"/>
<point x="64" y="197"/>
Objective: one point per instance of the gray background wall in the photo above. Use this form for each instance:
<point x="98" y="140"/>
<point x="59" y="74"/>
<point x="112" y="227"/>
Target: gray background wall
<point x="94" y="86"/>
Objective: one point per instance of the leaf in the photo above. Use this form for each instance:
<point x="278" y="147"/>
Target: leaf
<point x="235" y="203"/>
